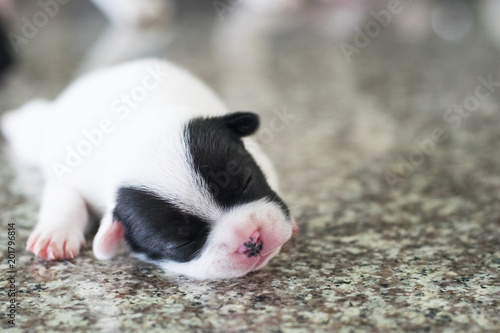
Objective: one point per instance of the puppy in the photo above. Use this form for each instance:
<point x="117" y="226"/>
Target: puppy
<point x="154" y="153"/>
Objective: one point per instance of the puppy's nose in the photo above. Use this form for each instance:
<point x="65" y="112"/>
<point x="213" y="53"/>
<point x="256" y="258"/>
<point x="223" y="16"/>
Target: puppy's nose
<point x="253" y="246"/>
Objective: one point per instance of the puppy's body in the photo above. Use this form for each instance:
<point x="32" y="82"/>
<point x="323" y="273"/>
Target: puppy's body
<point x="153" y="151"/>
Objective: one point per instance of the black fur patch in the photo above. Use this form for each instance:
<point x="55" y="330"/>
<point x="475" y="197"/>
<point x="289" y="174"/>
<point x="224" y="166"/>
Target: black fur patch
<point x="220" y="157"/>
<point x="157" y="228"/>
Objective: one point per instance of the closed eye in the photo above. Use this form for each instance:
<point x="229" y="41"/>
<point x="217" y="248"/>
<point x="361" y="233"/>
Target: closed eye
<point x="182" y="245"/>
<point x="247" y="183"/>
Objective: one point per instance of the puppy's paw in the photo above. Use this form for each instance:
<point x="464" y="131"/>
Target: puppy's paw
<point x="56" y="244"/>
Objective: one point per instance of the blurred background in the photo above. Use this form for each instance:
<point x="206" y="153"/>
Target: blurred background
<point x="56" y="40"/>
<point x="369" y="77"/>
<point x="388" y="154"/>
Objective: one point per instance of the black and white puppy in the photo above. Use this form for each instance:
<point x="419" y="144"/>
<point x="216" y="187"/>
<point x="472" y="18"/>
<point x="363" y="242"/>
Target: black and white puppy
<point x="153" y="152"/>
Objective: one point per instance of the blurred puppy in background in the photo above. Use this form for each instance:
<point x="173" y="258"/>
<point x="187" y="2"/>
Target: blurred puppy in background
<point x="135" y="12"/>
<point x="147" y="12"/>
<point x="5" y="53"/>
<point x="6" y="57"/>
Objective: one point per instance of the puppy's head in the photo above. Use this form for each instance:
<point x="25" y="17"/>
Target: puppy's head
<point x="216" y="217"/>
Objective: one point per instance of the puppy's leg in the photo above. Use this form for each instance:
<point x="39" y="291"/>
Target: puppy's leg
<point x="63" y="218"/>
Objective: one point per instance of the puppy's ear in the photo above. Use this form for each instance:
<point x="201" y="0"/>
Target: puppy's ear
<point x="107" y="239"/>
<point x="242" y="123"/>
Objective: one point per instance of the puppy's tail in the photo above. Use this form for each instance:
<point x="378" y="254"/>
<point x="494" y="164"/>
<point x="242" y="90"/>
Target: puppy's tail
<point x="24" y="130"/>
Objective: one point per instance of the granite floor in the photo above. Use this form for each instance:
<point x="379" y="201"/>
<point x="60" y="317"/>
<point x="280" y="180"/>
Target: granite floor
<point x="389" y="160"/>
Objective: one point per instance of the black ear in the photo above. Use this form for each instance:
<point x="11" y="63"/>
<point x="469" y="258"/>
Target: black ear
<point x="242" y="123"/>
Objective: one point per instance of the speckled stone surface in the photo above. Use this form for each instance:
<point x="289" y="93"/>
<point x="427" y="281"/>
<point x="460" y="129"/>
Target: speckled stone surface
<point x="384" y="245"/>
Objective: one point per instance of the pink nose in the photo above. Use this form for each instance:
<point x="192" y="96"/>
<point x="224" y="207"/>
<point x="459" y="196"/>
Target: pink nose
<point x="253" y="246"/>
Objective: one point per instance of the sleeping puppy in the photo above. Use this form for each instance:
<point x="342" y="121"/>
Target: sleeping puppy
<point x="153" y="152"/>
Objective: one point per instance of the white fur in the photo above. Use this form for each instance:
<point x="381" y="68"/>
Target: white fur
<point x="146" y="148"/>
<point x="25" y="128"/>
